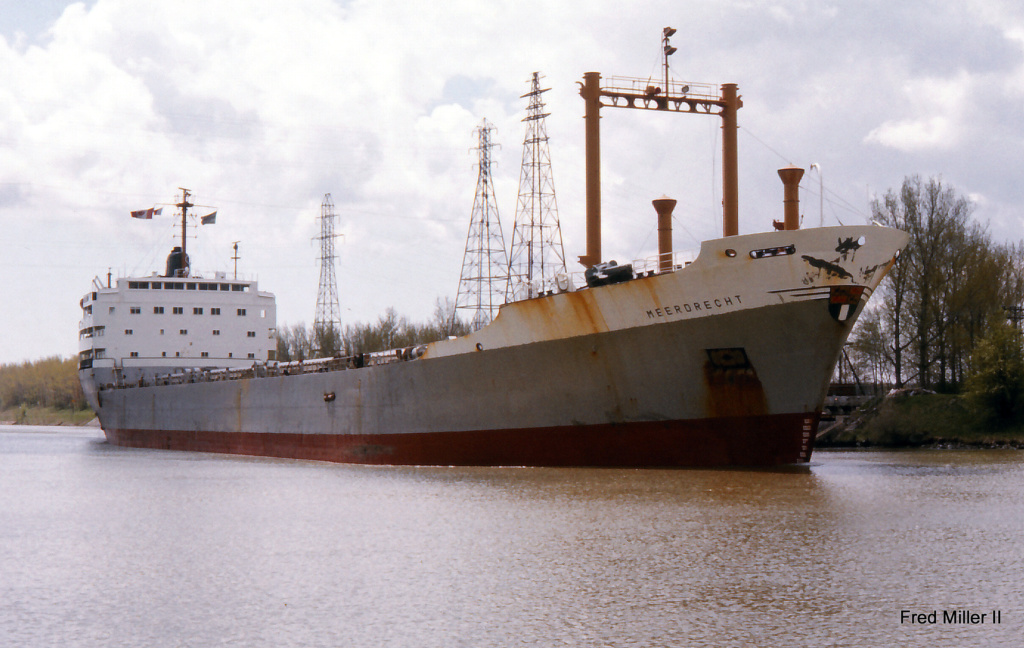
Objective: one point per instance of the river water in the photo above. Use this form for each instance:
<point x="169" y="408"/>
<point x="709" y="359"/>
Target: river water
<point x="106" y="546"/>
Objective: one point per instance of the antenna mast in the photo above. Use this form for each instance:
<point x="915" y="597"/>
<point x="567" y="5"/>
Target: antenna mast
<point x="537" y="250"/>
<point x="183" y="206"/>
<point x="234" y="258"/>
<point x="485" y="266"/>
<point x="694" y="98"/>
<point x="328" y="313"/>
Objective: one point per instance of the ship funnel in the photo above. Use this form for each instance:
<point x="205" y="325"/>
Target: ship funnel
<point x="664" y="207"/>
<point x="177" y="263"/>
<point x="791" y="200"/>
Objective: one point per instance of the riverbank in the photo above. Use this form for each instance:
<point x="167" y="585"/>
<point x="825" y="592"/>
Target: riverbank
<point x="25" y="415"/>
<point x="922" y="420"/>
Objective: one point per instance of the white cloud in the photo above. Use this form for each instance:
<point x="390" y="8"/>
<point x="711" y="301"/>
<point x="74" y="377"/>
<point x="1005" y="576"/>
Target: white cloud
<point x="916" y="135"/>
<point x="943" y="111"/>
<point x="262" y="107"/>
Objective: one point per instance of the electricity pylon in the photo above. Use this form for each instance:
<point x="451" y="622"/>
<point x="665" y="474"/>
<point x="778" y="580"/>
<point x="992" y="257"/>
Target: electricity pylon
<point x="484" y="276"/>
<point x="327" y="322"/>
<point x="537" y="251"/>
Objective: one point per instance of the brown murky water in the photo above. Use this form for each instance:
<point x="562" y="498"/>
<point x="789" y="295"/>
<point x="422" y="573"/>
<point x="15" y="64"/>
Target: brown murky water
<point x="102" y="546"/>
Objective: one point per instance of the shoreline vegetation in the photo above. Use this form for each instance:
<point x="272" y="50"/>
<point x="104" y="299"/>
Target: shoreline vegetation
<point x="944" y="328"/>
<point x="38" y="415"/>
<point x="922" y="420"/>
<point x="43" y="392"/>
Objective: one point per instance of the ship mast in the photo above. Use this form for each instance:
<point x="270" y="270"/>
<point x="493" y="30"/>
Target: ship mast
<point x="701" y="99"/>
<point x="183" y="206"/>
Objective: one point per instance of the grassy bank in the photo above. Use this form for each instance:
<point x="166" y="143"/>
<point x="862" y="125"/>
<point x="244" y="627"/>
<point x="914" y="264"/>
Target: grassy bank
<point x="921" y="420"/>
<point x="24" y="415"/>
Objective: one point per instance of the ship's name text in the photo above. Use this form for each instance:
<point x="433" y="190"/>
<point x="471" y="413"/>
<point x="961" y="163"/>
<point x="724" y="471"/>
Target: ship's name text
<point x="694" y="307"/>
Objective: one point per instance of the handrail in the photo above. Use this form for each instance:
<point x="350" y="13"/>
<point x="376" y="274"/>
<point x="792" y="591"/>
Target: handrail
<point x="272" y="369"/>
<point x="642" y="86"/>
<point x="573" y="281"/>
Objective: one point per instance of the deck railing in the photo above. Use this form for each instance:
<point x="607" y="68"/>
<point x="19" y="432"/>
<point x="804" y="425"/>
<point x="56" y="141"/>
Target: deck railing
<point x="573" y="281"/>
<point x="273" y="369"/>
<point x="569" y="282"/>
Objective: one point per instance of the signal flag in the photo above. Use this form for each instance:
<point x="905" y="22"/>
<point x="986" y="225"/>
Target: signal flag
<point x="147" y="214"/>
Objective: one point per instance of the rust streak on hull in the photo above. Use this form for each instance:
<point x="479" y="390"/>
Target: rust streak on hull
<point x="722" y="362"/>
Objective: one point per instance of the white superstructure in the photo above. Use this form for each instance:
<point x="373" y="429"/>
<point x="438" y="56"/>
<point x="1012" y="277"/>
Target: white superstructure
<point x="141" y="327"/>
<point x="136" y="328"/>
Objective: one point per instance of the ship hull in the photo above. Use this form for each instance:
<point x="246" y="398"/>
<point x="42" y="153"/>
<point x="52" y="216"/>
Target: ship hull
<point x="723" y="363"/>
<point x="767" y="440"/>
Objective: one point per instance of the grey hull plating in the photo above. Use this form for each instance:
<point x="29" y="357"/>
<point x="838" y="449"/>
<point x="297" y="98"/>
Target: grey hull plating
<point x="735" y="345"/>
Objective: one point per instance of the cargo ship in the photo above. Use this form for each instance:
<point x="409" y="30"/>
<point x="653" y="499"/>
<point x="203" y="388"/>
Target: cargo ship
<point x="722" y="360"/>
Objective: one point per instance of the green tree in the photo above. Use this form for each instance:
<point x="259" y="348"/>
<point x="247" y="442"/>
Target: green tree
<point x="326" y="340"/>
<point x="50" y="382"/>
<point x="294" y="343"/>
<point x="996" y="383"/>
<point x="390" y="331"/>
<point x="948" y="285"/>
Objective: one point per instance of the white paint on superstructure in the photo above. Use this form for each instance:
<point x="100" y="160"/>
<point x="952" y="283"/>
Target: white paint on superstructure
<point x="144" y="326"/>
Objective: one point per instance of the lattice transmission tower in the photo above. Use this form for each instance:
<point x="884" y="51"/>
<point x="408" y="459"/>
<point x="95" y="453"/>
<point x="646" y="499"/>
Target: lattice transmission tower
<point x="327" y="322"/>
<point x="537" y="251"/>
<point x="485" y="266"/>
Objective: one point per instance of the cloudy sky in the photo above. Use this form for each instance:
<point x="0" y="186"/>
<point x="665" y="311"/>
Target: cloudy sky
<point x="261" y="107"/>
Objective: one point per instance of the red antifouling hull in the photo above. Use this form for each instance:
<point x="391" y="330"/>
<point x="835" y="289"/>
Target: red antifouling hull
<point x="735" y="441"/>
